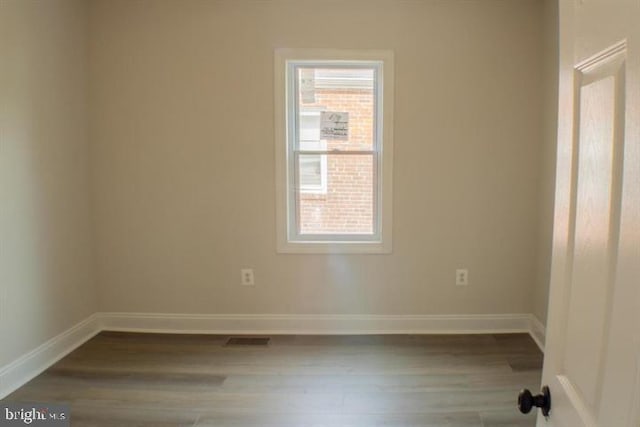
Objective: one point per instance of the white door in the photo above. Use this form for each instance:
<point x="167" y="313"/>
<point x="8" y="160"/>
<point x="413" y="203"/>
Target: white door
<point x="592" y="358"/>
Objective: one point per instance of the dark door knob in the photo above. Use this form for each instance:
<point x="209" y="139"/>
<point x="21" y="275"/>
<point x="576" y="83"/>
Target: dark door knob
<point x="526" y="401"/>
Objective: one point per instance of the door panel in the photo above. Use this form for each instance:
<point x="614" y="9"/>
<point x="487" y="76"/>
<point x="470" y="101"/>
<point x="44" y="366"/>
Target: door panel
<point x="596" y="229"/>
<point x="594" y="226"/>
<point x="592" y="357"/>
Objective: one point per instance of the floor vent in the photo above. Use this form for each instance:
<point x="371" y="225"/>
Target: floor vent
<point x="254" y="341"/>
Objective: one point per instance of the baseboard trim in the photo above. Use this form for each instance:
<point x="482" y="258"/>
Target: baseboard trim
<point x="315" y="324"/>
<point x="33" y="363"/>
<point x="538" y="331"/>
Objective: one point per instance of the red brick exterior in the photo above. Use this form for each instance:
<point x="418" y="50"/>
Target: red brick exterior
<point x="347" y="206"/>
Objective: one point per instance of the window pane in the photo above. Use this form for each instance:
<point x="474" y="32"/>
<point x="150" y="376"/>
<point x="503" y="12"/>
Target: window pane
<point x="336" y="106"/>
<point x="346" y="207"/>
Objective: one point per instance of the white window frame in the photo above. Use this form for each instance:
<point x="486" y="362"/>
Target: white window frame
<point x="288" y="240"/>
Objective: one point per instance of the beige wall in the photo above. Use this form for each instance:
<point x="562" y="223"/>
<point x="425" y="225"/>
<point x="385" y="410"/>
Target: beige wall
<point x="46" y="283"/>
<point x="183" y="156"/>
<point x="548" y="161"/>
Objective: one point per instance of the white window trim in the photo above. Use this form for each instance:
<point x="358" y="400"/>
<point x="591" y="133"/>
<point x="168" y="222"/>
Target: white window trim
<point x="382" y="242"/>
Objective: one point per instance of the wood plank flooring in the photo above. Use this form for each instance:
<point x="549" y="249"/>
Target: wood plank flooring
<point x="124" y="379"/>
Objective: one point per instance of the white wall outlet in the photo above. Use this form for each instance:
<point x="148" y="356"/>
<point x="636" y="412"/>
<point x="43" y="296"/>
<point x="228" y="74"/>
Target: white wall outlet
<point x="462" y="277"/>
<point x="246" y="277"/>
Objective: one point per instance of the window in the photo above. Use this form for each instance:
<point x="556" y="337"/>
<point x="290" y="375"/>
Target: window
<point x="334" y="150"/>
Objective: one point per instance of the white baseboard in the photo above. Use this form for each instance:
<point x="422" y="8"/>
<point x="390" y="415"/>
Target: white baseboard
<point x="31" y="364"/>
<point x="315" y="324"/>
<point x="28" y="366"/>
<point x="537" y="331"/>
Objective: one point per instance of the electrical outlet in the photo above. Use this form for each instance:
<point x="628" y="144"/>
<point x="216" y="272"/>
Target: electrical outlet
<point x="462" y="277"/>
<point x="246" y="277"/>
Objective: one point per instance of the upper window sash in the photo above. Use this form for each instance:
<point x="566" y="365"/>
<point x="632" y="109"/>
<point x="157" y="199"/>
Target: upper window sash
<point x="292" y="78"/>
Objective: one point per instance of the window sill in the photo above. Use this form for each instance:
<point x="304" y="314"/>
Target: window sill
<point x="334" y="247"/>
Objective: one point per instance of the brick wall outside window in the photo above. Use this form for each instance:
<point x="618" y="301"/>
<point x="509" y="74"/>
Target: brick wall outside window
<point x="347" y="206"/>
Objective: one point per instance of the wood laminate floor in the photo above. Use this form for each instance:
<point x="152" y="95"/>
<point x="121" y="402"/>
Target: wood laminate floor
<point x="123" y="379"/>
